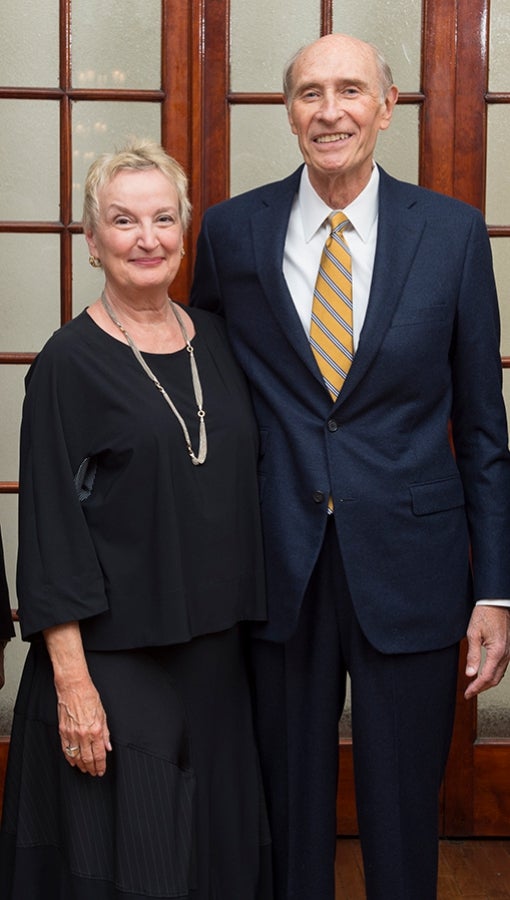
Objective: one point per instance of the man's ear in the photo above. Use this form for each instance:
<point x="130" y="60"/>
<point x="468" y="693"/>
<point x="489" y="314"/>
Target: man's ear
<point x="389" y="105"/>
<point x="289" y="117"/>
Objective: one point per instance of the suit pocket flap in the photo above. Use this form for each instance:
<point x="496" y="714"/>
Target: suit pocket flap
<point x="436" y="496"/>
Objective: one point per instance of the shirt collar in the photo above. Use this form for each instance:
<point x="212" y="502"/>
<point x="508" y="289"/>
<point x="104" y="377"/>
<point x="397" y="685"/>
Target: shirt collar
<point x="362" y="212"/>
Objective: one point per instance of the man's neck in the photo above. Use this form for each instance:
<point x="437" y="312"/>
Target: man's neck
<point x="338" y="190"/>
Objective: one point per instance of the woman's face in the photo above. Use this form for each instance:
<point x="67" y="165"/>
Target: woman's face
<point x="138" y="236"/>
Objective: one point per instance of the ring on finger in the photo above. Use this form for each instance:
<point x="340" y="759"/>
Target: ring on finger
<point x="71" y="751"/>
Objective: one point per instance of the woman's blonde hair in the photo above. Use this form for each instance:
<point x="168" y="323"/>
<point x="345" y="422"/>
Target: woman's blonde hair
<point x="137" y="154"/>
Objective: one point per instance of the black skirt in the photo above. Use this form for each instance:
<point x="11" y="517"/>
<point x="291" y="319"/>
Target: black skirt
<point x="179" y="812"/>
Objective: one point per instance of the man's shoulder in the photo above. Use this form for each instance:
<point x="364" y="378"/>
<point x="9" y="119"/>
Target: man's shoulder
<point x="410" y="194"/>
<point x="271" y="192"/>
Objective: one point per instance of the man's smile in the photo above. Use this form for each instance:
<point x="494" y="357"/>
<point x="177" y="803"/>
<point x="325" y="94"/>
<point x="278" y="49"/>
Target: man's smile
<point x="331" y="138"/>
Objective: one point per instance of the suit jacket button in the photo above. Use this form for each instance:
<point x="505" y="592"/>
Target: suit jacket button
<point x="332" y="425"/>
<point x="318" y="497"/>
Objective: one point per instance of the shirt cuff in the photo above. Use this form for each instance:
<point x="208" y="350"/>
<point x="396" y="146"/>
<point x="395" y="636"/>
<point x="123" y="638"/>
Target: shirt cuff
<point x="494" y="603"/>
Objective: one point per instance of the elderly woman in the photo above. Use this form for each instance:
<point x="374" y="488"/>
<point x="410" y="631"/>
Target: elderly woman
<point x="133" y="771"/>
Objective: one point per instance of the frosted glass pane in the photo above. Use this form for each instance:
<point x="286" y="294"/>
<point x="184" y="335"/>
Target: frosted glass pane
<point x="14" y="658"/>
<point x="16" y="649"/>
<point x="117" y="44"/>
<point x="87" y="282"/>
<point x="103" y="127"/>
<point x="12" y="391"/>
<point x="397" y="148"/>
<point x="394" y="26"/>
<point x="345" y="724"/>
<point x="494" y="711"/>
<point x="498" y="172"/>
<point x="29" y="55"/>
<point x="501" y="256"/>
<point x="29" y="160"/>
<point x="9" y="514"/>
<point x="30" y="307"/>
<point x="264" y="35"/>
<point x="499" y="45"/>
<point x="263" y="148"/>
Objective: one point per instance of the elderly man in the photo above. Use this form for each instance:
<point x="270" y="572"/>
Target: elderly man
<point x="364" y="313"/>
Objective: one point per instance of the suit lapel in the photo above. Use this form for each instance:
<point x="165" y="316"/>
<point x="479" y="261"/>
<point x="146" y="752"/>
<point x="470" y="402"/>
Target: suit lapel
<point x="399" y="233"/>
<point x="269" y="230"/>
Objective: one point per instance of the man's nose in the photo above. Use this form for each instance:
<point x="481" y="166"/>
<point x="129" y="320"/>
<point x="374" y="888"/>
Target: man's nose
<point x="332" y="107"/>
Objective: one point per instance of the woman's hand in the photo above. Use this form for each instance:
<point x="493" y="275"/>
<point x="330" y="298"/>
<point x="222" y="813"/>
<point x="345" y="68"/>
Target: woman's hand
<point x="83" y="728"/>
<point x="82" y="720"/>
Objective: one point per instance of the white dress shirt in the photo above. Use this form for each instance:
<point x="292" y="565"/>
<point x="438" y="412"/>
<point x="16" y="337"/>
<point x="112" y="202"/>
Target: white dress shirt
<point x="306" y="235"/>
<point x="307" y="232"/>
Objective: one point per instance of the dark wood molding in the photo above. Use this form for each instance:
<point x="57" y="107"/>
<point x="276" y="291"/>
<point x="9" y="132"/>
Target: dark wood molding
<point x="16" y="359"/>
<point x="457" y="794"/>
<point x="326" y="25"/>
<point x="9" y="487"/>
<point x="438" y="86"/>
<point x="470" y="106"/>
<point x="346" y="815"/>
<point x="497" y="97"/>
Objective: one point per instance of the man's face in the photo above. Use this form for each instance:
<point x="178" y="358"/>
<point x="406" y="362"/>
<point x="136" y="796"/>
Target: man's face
<point x="336" y="108"/>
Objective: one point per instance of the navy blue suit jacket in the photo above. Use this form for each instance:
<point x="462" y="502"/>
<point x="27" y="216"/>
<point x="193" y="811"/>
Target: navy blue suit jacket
<point x="406" y="510"/>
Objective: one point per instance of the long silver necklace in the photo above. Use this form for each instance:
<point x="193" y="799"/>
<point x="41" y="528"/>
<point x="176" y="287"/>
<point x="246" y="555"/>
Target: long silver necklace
<point x="200" y="458"/>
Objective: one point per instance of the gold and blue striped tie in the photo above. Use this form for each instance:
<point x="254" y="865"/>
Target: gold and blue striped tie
<point x="331" y="336"/>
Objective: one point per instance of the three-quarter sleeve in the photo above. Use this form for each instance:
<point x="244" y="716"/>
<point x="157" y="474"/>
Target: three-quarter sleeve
<point x="58" y="575"/>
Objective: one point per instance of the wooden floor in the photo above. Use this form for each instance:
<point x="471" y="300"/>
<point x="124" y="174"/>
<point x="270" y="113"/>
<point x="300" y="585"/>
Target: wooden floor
<point x="474" y="870"/>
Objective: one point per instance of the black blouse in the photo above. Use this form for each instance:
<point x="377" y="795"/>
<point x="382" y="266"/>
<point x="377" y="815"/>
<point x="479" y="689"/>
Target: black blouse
<point x="117" y="528"/>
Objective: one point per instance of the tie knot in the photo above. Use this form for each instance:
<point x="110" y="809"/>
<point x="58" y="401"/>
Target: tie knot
<point x="337" y="221"/>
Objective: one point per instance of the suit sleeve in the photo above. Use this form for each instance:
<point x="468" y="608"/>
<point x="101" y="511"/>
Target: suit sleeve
<point x="205" y="290"/>
<point x="479" y="419"/>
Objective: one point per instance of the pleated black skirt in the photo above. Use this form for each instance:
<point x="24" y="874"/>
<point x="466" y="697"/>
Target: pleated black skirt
<point x="179" y="813"/>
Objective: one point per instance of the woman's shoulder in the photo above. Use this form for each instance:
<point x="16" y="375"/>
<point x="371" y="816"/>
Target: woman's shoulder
<point x="65" y="336"/>
<point x="63" y="349"/>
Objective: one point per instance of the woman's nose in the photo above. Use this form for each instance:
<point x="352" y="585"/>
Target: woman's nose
<point x="147" y="236"/>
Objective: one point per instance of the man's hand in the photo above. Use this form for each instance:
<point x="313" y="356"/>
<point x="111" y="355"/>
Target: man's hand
<point x="489" y="628"/>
